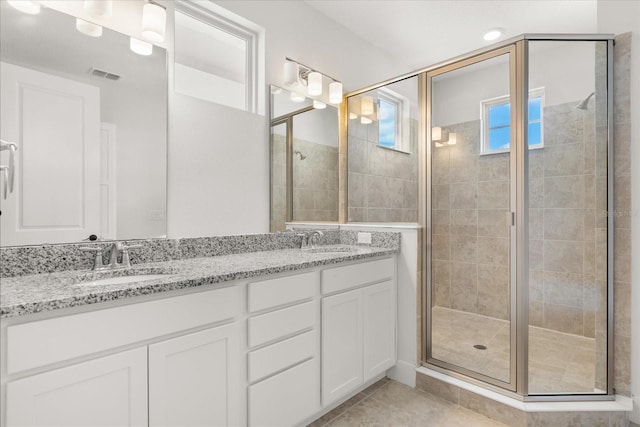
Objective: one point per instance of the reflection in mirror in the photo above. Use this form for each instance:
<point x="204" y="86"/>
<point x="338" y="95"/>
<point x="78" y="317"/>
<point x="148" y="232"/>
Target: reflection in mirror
<point x="304" y="161"/>
<point x="89" y="117"/>
<point x="383" y="154"/>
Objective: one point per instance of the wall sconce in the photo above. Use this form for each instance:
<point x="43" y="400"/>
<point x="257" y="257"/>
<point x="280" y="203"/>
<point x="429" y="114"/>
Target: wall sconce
<point x="296" y="74"/>
<point x="26" y="6"/>
<point x="154" y="22"/>
<point x="442" y="137"/>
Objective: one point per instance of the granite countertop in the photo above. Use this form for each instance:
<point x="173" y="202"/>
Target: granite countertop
<point x="22" y="295"/>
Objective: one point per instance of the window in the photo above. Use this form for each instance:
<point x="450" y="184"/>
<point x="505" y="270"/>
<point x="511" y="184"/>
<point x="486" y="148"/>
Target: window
<point x="219" y="56"/>
<point x="496" y="118"/>
<point x="393" y="120"/>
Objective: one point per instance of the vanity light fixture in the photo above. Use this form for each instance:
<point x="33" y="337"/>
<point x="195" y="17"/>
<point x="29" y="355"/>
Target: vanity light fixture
<point x="353" y="116"/>
<point x="140" y="47"/>
<point x="314" y="83"/>
<point x="296" y="74"/>
<point x="365" y="120"/>
<point x="442" y="137"/>
<point x="88" y="28"/>
<point x="154" y="22"/>
<point x="493" y="34"/>
<point x="366" y="106"/>
<point x="98" y="8"/>
<point x="318" y="105"/>
<point x="335" y="92"/>
<point x="296" y="97"/>
<point x="26" y="6"/>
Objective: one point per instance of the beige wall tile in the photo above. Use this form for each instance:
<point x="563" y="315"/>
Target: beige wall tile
<point x="564" y="224"/>
<point x="463" y="248"/>
<point x="563" y="256"/>
<point x="563" y="160"/>
<point x="562" y="318"/>
<point x="464" y="196"/>
<point x="493" y="195"/>
<point x="493" y="222"/>
<point x="564" y="289"/>
<point x="493" y="250"/>
<point x="564" y="192"/>
<point x="464" y="221"/>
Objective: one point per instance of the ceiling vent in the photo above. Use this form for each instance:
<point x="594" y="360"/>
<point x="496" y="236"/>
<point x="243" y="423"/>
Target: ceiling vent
<point x="103" y="74"/>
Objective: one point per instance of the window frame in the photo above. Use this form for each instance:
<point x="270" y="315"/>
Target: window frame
<point x="487" y="104"/>
<point x="402" y="119"/>
<point x="237" y="26"/>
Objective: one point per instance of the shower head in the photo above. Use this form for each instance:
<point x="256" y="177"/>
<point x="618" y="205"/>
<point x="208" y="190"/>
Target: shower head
<point x="583" y="105"/>
<point x="302" y="156"/>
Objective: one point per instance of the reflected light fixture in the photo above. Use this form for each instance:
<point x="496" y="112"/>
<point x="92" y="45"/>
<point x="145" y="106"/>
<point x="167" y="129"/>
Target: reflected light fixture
<point x="493" y="34"/>
<point x="318" y="105"/>
<point x="335" y="92"/>
<point x="365" y="120"/>
<point x="442" y="137"/>
<point x="26" y="6"/>
<point x="98" y="8"/>
<point x="366" y="106"/>
<point x="154" y="22"/>
<point x="314" y="86"/>
<point x="353" y="116"/>
<point x="436" y="133"/>
<point x="452" y="139"/>
<point x="140" y="47"/>
<point x="296" y="97"/>
<point x="88" y="28"/>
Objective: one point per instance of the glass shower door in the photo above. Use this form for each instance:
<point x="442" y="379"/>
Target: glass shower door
<point x="469" y="255"/>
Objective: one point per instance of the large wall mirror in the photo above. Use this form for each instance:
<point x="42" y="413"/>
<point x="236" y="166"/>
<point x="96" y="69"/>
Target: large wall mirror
<point x="89" y="118"/>
<point x="304" y="160"/>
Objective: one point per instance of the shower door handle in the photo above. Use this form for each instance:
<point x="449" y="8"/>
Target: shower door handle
<point x="511" y="218"/>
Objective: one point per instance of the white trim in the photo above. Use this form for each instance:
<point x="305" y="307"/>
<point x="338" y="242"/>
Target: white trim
<point x="622" y="403"/>
<point x="403" y="372"/>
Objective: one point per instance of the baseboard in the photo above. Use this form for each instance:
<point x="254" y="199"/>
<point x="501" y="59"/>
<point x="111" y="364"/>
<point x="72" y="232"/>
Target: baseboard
<point x="403" y="372"/>
<point x="634" y="415"/>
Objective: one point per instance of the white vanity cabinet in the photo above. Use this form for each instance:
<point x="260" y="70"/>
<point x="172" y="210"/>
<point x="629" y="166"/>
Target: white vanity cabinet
<point x="358" y="325"/>
<point x="185" y="379"/>
<point x="283" y="367"/>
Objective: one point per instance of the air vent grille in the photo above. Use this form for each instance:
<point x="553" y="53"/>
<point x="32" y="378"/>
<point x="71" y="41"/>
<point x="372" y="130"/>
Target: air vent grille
<point x="103" y="74"/>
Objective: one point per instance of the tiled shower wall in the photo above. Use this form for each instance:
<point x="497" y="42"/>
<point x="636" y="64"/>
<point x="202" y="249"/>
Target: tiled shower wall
<point x="471" y="224"/>
<point x="315" y="182"/>
<point x="382" y="183"/>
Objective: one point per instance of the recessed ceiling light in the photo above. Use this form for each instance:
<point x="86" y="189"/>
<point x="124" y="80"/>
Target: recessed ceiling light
<point x="493" y="34"/>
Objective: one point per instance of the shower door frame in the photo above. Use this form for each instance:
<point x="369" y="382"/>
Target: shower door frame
<point x="513" y="55"/>
<point x="518" y="386"/>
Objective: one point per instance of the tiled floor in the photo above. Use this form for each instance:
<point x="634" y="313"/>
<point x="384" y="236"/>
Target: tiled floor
<point x="389" y="403"/>
<point x="558" y="362"/>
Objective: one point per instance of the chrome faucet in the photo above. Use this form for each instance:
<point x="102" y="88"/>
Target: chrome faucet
<point x="117" y="249"/>
<point x="308" y="237"/>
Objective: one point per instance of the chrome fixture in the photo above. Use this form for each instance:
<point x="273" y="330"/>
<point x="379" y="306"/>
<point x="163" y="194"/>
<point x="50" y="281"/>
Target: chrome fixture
<point x="309" y="238"/>
<point x="296" y="73"/>
<point x="117" y="249"/>
<point x="584" y="104"/>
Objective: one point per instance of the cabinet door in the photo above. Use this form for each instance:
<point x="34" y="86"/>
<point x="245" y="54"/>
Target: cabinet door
<point x="341" y="344"/>
<point x="110" y="391"/>
<point x="194" y="379"/>
<point x="379" y="328"/>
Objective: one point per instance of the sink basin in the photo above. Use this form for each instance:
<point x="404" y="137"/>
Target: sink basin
<point x="120" y="280"/>
<point x="330" y="249"/>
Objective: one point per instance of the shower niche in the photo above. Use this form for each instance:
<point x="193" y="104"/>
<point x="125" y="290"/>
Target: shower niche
<point x="517" y="237"/>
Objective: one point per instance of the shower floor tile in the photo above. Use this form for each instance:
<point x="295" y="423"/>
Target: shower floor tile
<point x="558" y="362"/>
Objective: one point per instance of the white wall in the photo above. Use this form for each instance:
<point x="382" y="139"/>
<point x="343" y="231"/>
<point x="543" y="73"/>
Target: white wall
<point x="619" y="16"/>
<point x="218" y="156"/>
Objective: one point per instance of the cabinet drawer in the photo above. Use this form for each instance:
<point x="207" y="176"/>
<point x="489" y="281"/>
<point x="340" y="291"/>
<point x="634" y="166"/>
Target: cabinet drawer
<point x="284" y="290"/>
<point x="277" y="324"/>
<point x="53" y="340"/>
<point x="350" y="276"/>
<point x="282" y="355"/>
<point x="285" y="399"/>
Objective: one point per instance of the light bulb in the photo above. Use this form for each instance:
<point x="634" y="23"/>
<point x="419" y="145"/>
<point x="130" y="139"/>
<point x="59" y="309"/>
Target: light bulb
<point x="98" y="8"/>
<point x="154" y="20"/>
<point x="26" y="6"/>
<point x="140" y="47"/>
<point x="315" y="83"/>
<point x="335" y="92"/>
<point x="319" y="105"/>
<point x="88" y="28"/>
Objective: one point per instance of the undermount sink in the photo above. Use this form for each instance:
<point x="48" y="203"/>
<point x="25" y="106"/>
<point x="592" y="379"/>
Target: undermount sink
<point x="123" y="279"/>
<point x="330" y="249"/>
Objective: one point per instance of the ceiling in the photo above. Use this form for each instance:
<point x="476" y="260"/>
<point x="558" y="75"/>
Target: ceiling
<point x="420" y="33"/>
